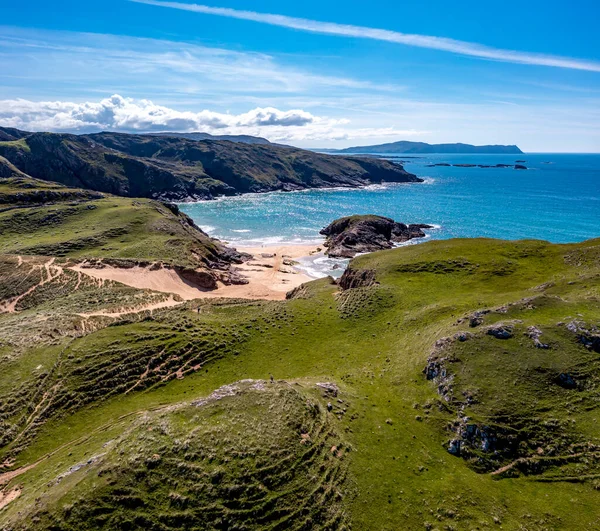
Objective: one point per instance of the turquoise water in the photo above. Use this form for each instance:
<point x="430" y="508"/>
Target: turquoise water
<point x="559" y="202"/>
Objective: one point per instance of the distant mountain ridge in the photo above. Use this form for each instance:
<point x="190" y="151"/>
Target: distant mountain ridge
<point x="244" y="139"/>
<point x="405" y="146"/>
<point x="180" y="169"/>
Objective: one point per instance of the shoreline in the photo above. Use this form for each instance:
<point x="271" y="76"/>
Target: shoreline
<point x="240" y="195"/>
<point x="271" y="273"/>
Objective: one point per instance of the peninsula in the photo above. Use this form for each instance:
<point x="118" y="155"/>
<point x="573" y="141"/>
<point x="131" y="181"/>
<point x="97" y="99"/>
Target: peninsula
<point x="405" y="146"/>
<point x="183" y="169"/>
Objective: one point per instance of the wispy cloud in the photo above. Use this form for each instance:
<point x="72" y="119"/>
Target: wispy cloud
<point x="153" y="67"/>
<point x="422" y="41"/>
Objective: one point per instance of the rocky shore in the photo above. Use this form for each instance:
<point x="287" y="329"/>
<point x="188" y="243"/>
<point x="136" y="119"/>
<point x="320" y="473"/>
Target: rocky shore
<point x="517" y="166"/>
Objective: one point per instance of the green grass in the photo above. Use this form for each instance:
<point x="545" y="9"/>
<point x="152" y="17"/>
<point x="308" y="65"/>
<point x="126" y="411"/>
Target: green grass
<point x="374" y="343"/>
<point x="16" y="145"/>
<point x="259" y="456"/>
<point x="78" y="224"/>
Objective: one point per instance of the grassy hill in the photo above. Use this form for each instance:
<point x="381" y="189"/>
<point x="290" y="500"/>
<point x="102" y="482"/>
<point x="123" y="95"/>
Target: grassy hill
<point x="454" y="386"/>
<point x="44" y="218"/>
<point x="177" y="168"/>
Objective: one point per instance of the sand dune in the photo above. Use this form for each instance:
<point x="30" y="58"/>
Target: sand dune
<point x="268" y="275"/>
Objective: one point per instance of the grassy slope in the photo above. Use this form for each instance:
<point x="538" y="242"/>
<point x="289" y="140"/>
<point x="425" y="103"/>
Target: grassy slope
<point x="43" y="218"/>
<point x="375" y="343"/>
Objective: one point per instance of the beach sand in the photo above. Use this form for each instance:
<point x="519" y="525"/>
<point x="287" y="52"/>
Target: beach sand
<point x="271" y="275"/>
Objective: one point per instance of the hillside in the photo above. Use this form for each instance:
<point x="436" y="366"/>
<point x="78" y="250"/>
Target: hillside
<point x="447" y="385"/>
<point x="405" y="146"/>
<point x="245" y="139"/>
<point x="44" y="218"/>
<point x="179" y="169"/>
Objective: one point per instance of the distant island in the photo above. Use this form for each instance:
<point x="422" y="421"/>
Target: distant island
<point x="404" y="146"/>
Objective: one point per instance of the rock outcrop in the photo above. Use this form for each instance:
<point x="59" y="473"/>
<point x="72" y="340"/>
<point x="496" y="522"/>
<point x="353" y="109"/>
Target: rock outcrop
<point x="351" y="235"/>
<point x="357" y="278"/>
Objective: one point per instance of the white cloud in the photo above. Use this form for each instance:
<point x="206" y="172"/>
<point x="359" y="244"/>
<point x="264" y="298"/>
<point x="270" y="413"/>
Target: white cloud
<point x="422" y="41"/>
<point x="129" y="115"/>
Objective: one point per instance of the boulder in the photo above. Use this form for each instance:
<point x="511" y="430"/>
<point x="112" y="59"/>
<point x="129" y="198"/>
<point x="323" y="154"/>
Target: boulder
<point x="501" y="332"/>
<point x="566" y="381"/>
<point x="203" y="279"/>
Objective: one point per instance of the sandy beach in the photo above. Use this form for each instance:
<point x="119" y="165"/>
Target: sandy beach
<point x="271" y="274"/>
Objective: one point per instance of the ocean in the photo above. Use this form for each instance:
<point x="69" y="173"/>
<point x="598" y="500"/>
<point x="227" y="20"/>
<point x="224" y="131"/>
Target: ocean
<point x="556" y="199"/>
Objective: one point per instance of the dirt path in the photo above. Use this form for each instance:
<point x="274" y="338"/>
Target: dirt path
<point x="168" y="303"/>
<point x="52" y="273"/>
<point x="7" y="497"/>
<point x="522" y="460"/>
<point x="9" y="476"/>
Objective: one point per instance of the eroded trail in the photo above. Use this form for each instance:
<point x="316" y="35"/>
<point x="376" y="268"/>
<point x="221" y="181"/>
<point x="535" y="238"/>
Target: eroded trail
<point x="168" y="303"/>
<point x="12" y="474"/>
<point x="52" y="272"/>
<point x="7" y="497"/>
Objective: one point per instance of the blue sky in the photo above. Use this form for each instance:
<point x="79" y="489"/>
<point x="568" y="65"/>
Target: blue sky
<point x="312" y="74"/>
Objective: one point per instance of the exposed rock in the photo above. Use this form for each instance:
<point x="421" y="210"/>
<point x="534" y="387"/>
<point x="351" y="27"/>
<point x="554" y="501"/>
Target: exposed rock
<point x="567" y="381"/>
<point x="328" y="388"/>
<point x="588" y="336"/>
<point x="201" y="278"/>
<point x="476" y="318"/>
<point x="351" y="235"/>
<point x="233" y="276"/>
<point x="357" y="278"/>
<point x="297" y="293"/>
<point x="402" y="233"/>
<point x="517" y="166"/>
<point x="533" y="332"/>
<point x="501" y="331"/>
<point x="462" y="336"/>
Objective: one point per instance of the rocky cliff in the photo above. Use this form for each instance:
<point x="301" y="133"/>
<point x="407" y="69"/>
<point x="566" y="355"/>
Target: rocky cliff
<point x="351" y="235"/>
<point x="180" y="169"/>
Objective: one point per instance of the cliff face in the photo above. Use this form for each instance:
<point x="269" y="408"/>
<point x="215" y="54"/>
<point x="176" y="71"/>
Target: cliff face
<point x="181" y="169"/>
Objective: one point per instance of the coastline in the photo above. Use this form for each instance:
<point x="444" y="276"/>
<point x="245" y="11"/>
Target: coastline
<point x="190" y="200"/>
<point x="271" y="273"/>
